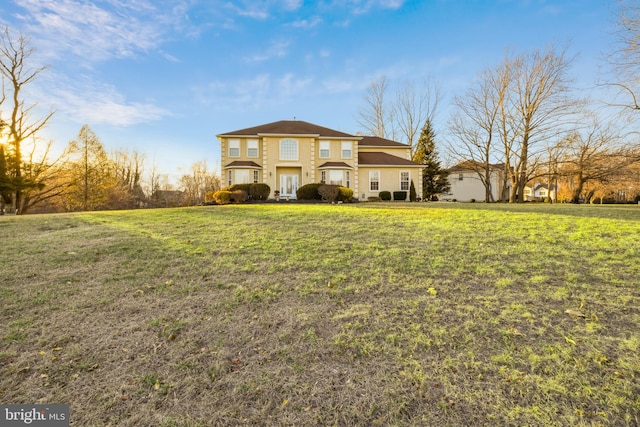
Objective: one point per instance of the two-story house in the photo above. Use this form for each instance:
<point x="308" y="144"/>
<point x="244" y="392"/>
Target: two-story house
<point x="290" y="153"/>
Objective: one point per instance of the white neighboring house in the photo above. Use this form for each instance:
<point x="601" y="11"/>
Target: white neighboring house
<point x="539" y="192"/>
<point x="466" y="184"/>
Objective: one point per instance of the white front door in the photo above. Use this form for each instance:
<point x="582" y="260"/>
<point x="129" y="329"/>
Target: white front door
<point x="288" y="185"/>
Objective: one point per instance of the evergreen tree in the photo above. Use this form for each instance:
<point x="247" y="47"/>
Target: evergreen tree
<point x="434" y="177"/>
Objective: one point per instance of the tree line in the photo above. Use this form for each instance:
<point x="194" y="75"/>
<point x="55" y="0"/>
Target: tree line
<point x="524" y="117"/>
<point x="85" y="176"/>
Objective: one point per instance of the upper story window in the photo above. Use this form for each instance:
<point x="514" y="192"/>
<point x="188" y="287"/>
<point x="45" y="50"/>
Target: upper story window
<point x="288" y="149"/>
<point x="252" y="148"/>
<point x="346" y="149"/>
<point x="234" y="148"/>
<point x="325" y="149"/>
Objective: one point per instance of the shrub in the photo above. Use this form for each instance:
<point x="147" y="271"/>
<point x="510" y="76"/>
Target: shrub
<point x="472" y="200"/>
<point x="346" y="194"/>
<point x="209" y="197"/>
<point x="239" y="196"/>
<point x="244" y="187"/>
<point x="259" y="191"/>
<point x="329" y="193"/>
<point x="385" y="195"/>
<point x="412" y="192"/>
<point x="222" y="197"/>
<point x="309" y="192"/>
<point x="399" y="195"/>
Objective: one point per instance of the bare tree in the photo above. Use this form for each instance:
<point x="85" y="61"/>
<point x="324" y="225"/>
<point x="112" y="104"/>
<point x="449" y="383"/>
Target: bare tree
<point x="593" y="155"/>
<point x="199" y="182"/>
<point x="15" y="54"/>
<point x="538" y="109"/>
<point x="413" y="107"/>
<point x="475" y="126"/>
<point x="376" y="118"/>
<point x="624" y="59"/>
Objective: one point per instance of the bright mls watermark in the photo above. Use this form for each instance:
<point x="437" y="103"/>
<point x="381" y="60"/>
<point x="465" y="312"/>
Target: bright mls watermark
<point x="34" y="415"/>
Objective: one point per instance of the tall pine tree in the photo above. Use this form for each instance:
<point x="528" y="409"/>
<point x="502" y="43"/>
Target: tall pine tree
<point x="434" y="177"/>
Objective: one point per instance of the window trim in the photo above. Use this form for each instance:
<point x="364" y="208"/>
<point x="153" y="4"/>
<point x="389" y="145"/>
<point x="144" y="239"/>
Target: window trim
<point x="328" y="149"/>
<point x="342" y="150"/>
<point x="376" y="181"/>
<point x="232" y="146"/>
<point x="293" y="141"/>
<point x="407" y="182"/>
<point x="256" y="176"/>
<point x="257" y="148"/>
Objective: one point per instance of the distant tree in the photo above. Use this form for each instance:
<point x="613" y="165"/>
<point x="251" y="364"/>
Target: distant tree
<point x="199" y="182"/>
<point x="91" y="173"/>
<point x="15" y="68"/>
<point x="434" y="176"/>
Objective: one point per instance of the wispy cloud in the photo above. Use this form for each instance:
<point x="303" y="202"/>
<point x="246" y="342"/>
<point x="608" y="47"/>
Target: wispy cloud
<point x="86" y="101"/>
<point x="98" y="30"/>
<point x="307" y="23"/>
<point x="359" y="7"/>
<point x="277" y="49"/>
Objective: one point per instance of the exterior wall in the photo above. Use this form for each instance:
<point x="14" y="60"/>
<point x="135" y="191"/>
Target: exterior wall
<point x="389" y="180"/>
<point x="471" y="187"/>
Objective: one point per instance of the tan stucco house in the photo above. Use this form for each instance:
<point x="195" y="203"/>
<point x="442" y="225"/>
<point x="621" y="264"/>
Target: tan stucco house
<point x="290" y="153"/>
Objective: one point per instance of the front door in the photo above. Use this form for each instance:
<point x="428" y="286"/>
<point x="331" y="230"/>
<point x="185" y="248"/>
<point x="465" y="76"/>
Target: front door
<point x="288" y="185"/>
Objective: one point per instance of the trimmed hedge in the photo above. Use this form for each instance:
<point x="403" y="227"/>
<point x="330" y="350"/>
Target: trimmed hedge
<point x="244" y="187"/>
<point x="385" y="195"/>
<point x="329" y="193"/>
<point x="259" y="191"/>
<point x="239" y="196"/>
<point x="346" y="194"/>
<point x="222" y="197"/>
<point x="309" y="192"/>
<point x="399" y="195"/>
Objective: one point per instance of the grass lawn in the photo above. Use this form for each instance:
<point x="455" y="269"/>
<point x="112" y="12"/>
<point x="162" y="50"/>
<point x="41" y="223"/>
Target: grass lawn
<point x="291" y="314"/>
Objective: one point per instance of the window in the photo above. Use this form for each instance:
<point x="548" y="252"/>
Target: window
<point x="346" y="149"/>
<point x="348" y="179"/>
<point x="325" y="149"/>
<point x="323" y="177"/>
<point x="255" y="176"/>
<point x="374" y="180"/>
<point x="288" y="149"/>
<point x="229" y="176"/>
<point x="404" y="181"/>
<point x="252" y="148"/>
<point x="460" y="176"/>
<point x="335" y="177"/>
<point x="234" y="148"/>
<point x="242" y="176"/>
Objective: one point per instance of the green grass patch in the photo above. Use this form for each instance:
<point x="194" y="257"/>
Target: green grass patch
<point x="365" y="314"/>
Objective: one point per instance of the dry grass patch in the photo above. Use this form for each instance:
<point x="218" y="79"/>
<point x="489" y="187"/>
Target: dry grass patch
<point x="369" y="314"/>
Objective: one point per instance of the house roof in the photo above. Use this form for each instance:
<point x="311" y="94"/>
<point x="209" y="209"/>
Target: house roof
<point x="335" y="165"/>
<point x="376" y="141"/>
<point x="377" y="158"/>
<point x="243" y="164"/>
<point x="472" y="165"/>
<point x="289" y="127"/>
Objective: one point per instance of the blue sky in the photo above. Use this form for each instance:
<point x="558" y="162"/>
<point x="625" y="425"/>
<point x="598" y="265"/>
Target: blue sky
<point x="165" y="76"/>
